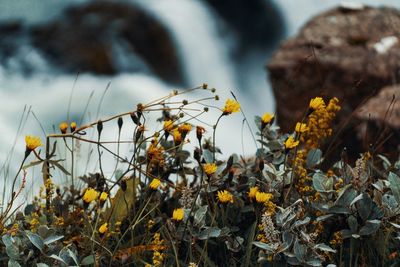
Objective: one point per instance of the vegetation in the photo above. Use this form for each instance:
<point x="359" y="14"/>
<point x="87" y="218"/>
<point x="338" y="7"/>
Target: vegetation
<point x="169" y="204"/>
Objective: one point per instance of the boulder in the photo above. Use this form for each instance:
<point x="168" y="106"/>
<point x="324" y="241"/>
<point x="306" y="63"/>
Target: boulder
<point x="256" y="23"/>
<point x="379" y="121"/>
<point x="349" y="53"/>
<point x="105" y="37"/>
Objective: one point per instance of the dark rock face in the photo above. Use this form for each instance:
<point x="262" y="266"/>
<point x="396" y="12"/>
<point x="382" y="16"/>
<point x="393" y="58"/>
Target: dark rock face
<point x="84" y="40"/>
<point x="349" y="54"/>
<point x="379" y="121"/>
<point x="256" y="22"/>
<point x="102" y="37"/>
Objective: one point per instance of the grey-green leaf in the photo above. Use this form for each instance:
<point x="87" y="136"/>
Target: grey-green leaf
<point x="52" y="239"/>
<point x="394" y="181"/>
<point x="200" y="216"/>
<point x="35" y="239"/>
<point x="324" y="247"/>
<point x="13" y="263"/>
<point x="314" y="157"/>
<point x="88" y="260"/>
<point x="263" y="246"/>
<point x="370" y="227"/>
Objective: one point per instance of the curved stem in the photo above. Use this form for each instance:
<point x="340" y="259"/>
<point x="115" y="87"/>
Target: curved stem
<point x="214" y="131"/>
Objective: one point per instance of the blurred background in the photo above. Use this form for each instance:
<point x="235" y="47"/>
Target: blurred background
<point x="141" y="48"/>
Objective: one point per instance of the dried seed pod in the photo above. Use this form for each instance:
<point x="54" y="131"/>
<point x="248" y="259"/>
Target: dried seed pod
<point x="120" y="122"/>
<point x="99" y="127"/>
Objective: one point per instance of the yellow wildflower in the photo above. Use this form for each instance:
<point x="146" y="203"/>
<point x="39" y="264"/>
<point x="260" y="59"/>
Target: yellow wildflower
<point x="90" y="195"/>
<point x="291" y="143"/>
<point x="224" y="196"/>
<point x="210" y="168"/>
<point x="177" y="136"/>
<point x="32" y="142"/>
<point x="262" y="197"/>
<point x="184" y="128"/>
<point x="301" y="127"/>
<point x="103" y="228"/>
<point x="103" y="196"/>
<point x="231" y="106"/>
<point x="155" y="183"/>
<point x="73" y="126"/>
<point x="63" y="127"/>
<point x="178" y="214"/>
<point x="168" y="125"/>
<point x="253" y="191"/>
<point x="317" y="103"/>
<point x="267" y="118"/>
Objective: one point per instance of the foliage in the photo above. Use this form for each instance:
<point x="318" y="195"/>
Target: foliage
<point x="167" y="205"/>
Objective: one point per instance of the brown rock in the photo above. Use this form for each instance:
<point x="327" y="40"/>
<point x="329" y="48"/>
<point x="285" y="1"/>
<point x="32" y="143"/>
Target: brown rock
<point x="84" y="39"/>
<point x="379" y="119"/>
<point x="336" y="55"/>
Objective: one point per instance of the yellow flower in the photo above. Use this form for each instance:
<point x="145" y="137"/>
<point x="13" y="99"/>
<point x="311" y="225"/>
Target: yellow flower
<point x="317" y="103"/>
<point x="63" y="127"/>
<point x="103" y="228"/>
<point x="253" y="191"/>
<point x="178" y="214"/>
<point x="301" y="127"/>
<point x="90" y="195"/>
<point x="210" y="168"/>
<point x="155" y="183"/>
<point x="32" y="142"/>
<point x="177" y="136"/>
<point x="291" y="143"/>
<point x="224" y="196"/>
<point x="185" y="128"/>
<point x="262" y="197"/>
<point x="168" y="125"/>
<point x="73" y="126"/>
<point x="103" y="196"/>
<point x="267" y="118"/>
<point x="231" y="106"/>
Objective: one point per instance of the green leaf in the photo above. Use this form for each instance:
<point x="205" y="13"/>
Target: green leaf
<point x="52" y="239"/>
<point x="123" y="201"/>
<point x="88" y="260"/>
<point x="55" y="257"/>
<point x="263" y="246"/>
<point x="322" y="183"/>
<point x="394" y="181"/>
<point x="200" y="216"/>
<point x="41" y="265"/>
<point x="324" y="247"/>
<point x="209" y="232"/>
<point x="353" y="224"/>
<point x="314" y="262"/>
<point x="35" y="239"/>
<point x="58" y="165"/>
<point x="12" y="252"/>
<point x="7" y="240"/>
<point x="314" y="157"/>
<point x="301" y="222"/>
<point x="324" y="217"/>
<point x="364" y="206"/>
<point x="370" y="227"/>
<point x="73" y="256"/>
<point x="31" y="164"/>
<point x="13" y="263"/>
<point x="299" y="250"/>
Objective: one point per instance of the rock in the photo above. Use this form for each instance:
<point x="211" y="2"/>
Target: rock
<point x="106" y="38"/>
<point x="379" y="121"/>
<point x="346" y="53"/>
<point x="256" y="22"/>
